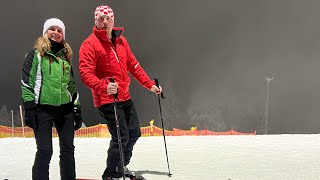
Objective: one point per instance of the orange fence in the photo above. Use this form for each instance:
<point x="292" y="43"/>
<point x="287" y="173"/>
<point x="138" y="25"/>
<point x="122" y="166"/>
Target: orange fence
<point x="101" y="131"/>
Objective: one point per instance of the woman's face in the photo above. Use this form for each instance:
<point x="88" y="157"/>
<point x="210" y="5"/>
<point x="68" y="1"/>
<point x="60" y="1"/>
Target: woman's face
<point x="55" y="33"/>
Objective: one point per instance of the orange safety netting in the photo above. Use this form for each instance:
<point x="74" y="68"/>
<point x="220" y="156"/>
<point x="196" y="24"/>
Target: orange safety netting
<point x="101" y="131"/>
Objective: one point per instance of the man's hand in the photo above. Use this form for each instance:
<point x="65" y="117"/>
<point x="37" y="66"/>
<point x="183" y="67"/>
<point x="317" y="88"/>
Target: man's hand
<point x="156" y="90"/>
<point x="112" y="88"/>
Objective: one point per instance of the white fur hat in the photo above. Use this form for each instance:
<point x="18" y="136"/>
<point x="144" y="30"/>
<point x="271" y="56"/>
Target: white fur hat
<point x="54" y="22"/>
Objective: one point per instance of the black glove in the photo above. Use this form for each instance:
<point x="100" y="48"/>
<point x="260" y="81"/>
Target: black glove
<point x="30" y="114"/>
<point x="77" y="117"/>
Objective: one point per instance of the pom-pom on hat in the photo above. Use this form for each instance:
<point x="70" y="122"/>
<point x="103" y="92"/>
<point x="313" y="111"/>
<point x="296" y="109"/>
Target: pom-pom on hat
<point x="54" y="22"/>
<point x="103" y="10"/>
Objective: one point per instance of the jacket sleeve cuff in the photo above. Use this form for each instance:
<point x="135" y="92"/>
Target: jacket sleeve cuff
<point x="150" y="84"/>
<point x="29" y="105"/>
<point x="104" y="88"/>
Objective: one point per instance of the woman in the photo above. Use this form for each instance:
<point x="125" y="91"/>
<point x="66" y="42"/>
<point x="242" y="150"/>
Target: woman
<point x="50" y="97"/>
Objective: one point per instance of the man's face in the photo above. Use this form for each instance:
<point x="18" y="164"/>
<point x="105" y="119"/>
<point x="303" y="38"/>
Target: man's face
<point x="104" y="22"/>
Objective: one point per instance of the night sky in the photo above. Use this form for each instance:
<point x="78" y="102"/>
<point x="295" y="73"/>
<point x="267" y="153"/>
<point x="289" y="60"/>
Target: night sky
<point x="212" y="58"/>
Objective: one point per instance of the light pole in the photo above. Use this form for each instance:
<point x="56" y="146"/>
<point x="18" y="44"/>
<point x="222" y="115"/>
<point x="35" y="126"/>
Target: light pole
<point x="268" y="79"/>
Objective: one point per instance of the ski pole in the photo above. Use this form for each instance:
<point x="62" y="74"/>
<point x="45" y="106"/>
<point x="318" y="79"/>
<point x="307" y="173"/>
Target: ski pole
<point x="115" y="97"/>
<point x="164" y="136"/>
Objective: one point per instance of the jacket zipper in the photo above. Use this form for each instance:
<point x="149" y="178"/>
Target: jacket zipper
<point x="63" y="68"/>
<point x="118" y="62"/>
<point x="115" y="54"/>
<point x="61" y="73"/>
<point x="50" y="62"/>
<point x="61" y="83"/>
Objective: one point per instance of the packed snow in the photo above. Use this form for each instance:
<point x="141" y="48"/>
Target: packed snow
<point x="263" y="157"/>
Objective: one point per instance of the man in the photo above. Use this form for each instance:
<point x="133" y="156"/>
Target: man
<point x="106" y="54"/>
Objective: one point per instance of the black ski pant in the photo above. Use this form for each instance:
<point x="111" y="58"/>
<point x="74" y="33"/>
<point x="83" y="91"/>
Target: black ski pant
<point x="129" y="131"/>
<point x="63" y="119"/>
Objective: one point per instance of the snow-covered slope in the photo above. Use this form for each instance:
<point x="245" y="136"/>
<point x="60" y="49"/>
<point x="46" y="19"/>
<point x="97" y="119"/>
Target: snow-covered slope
<point x="290" y="157"/>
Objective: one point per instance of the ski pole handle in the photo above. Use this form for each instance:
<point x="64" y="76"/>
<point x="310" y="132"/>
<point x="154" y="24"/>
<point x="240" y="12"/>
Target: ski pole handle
<point x="157" y="84"/>
<point x="114" y="95"/>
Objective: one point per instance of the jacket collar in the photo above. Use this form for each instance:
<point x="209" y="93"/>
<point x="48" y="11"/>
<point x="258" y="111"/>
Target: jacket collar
<point x="102" y="34"/>
<point x="60" y="54"/>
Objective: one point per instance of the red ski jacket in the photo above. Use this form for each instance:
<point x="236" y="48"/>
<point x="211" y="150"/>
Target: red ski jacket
<point x="101" y="59"/>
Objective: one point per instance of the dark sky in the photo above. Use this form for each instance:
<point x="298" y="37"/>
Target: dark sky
<point x="212" y="58"/>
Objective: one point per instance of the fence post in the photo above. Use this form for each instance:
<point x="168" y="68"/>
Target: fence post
<point x="12" y="132"/>
<point x="22" y="124"/>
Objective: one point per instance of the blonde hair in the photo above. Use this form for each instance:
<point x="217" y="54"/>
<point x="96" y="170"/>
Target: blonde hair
<point x="43" y="45"/>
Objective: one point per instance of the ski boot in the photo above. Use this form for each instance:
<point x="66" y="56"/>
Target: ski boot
<point x="131" y="174"/>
